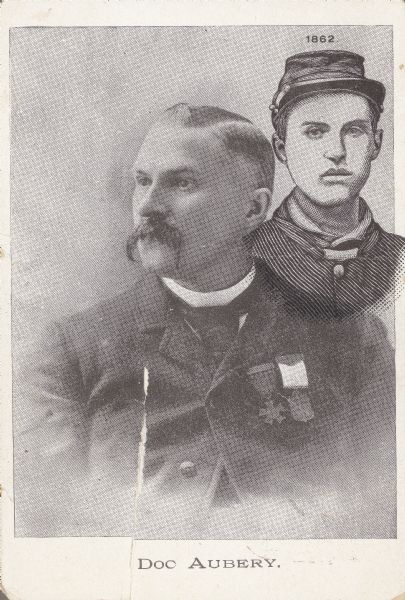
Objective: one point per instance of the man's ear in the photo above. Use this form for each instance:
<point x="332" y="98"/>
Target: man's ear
<point x="279" y="149"/>
<point x="378" y="138"/>
<point x="258" y="208"/>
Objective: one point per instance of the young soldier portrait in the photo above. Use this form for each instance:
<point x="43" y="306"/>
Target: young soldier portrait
<point x="199" y="403"/>
<point x="322" y="244"/>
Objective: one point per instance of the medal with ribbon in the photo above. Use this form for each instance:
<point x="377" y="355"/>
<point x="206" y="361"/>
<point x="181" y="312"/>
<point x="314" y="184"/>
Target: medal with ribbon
<point x="295" y="401"/>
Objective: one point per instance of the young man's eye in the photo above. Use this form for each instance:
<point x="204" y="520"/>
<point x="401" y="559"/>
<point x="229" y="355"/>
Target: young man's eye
<point x="184" y="184"/>
<point x="354" y="131"/>
<point x="314" y="133"/>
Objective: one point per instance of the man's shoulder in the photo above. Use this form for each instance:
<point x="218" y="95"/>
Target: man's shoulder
<point x="107" y="311"/>
<point x="116" y="316"/>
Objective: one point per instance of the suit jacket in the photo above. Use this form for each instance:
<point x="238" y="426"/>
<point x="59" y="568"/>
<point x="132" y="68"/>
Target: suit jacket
<point x="126" y="426"/>
<point x="329" y="287"/>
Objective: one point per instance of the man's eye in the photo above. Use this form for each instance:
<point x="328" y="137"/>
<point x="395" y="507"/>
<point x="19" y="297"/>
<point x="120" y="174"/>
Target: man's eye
<point x="354" y="131"/>
<point x="314" y="133"/>
<point x="142" y="180"/>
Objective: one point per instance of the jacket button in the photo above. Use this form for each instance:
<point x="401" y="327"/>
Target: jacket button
<point x="338" y="271"/>
<point x="188" y="469"/>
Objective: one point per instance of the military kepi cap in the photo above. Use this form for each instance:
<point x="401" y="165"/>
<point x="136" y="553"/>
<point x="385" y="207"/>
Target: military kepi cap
<point x="309" y="73"/>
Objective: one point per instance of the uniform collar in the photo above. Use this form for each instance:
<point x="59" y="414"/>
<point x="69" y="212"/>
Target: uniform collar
<point x="209" y="299"/>
<point x="294" y="213"/>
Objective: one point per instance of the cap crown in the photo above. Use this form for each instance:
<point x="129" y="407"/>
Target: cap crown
<point x="326" y="64"/>
<point x="322" y="71"/>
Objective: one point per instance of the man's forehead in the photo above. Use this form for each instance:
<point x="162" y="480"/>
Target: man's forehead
<point x="331" y="108"/>
<point x="167" y="143"/>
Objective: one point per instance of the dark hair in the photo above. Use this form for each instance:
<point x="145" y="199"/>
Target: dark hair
<point x="239" y="135"/>
<point x="281" y="126"/>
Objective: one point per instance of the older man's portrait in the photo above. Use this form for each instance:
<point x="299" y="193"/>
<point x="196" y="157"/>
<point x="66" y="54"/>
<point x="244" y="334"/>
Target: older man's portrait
<point x="185" y="363"/>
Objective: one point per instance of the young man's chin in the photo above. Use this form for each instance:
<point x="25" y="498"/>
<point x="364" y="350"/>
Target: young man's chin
<point x="332" y="196"/>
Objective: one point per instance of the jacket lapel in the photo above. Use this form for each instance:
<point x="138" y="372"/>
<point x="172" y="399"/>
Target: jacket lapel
<point x="270" y="330"/>
<point x="180" y="343"/>
<point x="177" y="342"/>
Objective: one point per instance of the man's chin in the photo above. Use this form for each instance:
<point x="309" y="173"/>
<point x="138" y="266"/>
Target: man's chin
<point x="157" y="258"/>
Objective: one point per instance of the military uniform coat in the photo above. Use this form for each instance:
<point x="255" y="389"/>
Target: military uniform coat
<point x="333" y="284"/>
<point x="126" y="426"/>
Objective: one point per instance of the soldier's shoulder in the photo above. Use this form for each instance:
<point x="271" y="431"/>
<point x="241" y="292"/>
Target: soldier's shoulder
<point x="391" y="242"/>
<point x="263" y="231"/>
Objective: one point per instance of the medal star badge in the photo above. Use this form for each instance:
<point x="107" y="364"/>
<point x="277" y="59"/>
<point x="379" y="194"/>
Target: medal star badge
<point x="272" y="412"/>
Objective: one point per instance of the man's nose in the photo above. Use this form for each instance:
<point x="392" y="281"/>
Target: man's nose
<point x="336" y="150"/>
<point x="149" y="201"/>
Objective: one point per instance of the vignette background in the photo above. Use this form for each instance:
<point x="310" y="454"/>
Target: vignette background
<point x="82" y="100"/>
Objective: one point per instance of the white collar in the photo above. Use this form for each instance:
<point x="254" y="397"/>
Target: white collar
<point x="300" y="218"/>
<point x="205" y="299"/>
<point x="358" y="232"/>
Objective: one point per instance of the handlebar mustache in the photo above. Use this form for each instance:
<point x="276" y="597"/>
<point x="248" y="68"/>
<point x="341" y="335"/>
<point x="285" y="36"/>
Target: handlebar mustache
<point x="156" y="229"/>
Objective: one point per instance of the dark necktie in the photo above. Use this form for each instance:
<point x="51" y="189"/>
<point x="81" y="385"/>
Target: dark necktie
<point x="217" y="326"/>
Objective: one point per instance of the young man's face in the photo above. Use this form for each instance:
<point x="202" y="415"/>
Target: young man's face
<point x="190" y="200"/>
<point x="329" y="146"/>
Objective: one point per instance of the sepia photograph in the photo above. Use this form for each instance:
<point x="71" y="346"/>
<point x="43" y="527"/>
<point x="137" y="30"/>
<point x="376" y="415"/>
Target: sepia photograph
<point x="204" y="273"/>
